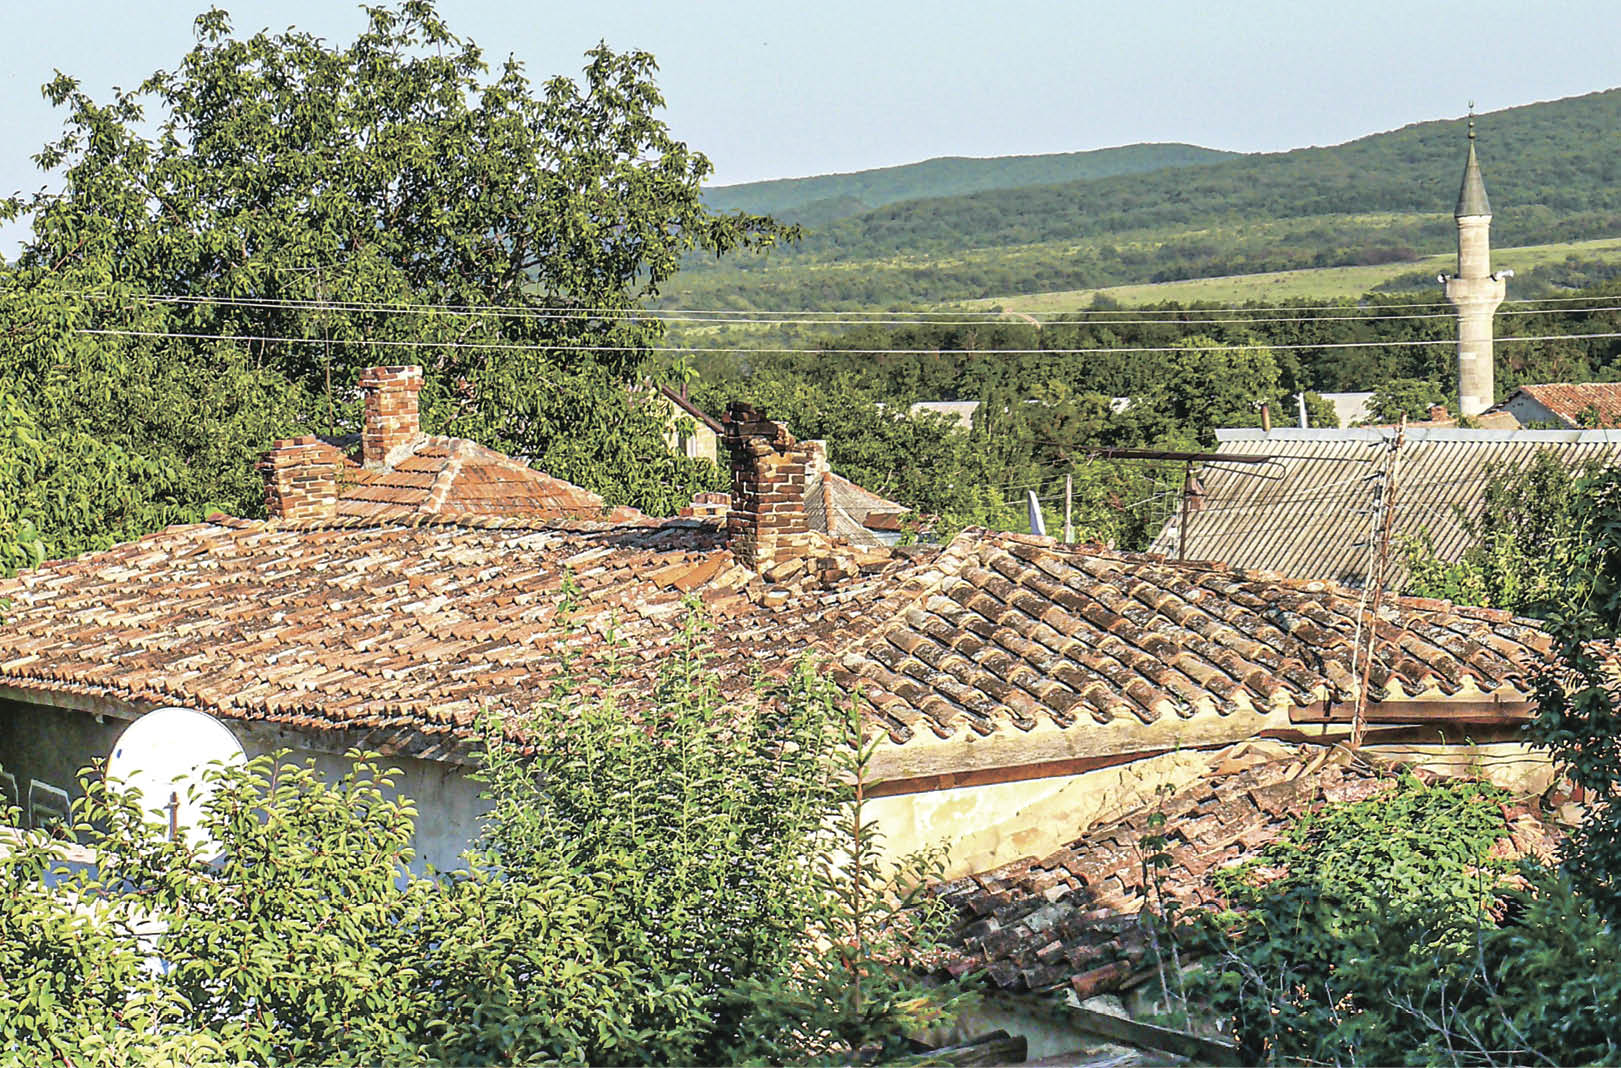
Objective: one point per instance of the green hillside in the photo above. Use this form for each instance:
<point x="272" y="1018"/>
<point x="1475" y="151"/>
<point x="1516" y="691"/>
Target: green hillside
<point x="824" y="198"/>
<point x="1552" y="169"/>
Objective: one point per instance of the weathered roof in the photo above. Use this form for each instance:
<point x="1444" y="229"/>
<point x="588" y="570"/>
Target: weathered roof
<point x="1308" y="512"/>
<point x="375" y="624"/>
<point x="1070" y="919"/>
<point x="456" y="477"/>
<point x="1472" y="192"/>
<point x="1576" y="403"/>
<point x="1012" y="639"/>
<point x="991" y="649"/>
<point x="836" y="506"/>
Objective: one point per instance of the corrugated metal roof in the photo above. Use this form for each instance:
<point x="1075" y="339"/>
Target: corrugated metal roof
<point x="1309" y="512"/>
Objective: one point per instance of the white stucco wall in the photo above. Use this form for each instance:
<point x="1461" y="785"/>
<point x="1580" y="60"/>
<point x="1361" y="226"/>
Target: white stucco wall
<point x="51" y="745"/>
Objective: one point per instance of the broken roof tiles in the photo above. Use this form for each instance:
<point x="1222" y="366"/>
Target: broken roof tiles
<point x="418" y="623"/>
<point x="1070" y="919"/>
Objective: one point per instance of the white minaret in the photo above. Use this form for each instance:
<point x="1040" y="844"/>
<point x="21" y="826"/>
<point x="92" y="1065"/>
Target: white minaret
<point x="1475" y="291"/>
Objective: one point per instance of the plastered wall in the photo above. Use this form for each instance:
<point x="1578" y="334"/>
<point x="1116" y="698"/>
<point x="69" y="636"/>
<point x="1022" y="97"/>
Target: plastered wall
<point x="41" y="744"/>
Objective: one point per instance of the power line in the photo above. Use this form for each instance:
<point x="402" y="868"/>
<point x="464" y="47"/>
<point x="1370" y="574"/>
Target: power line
<point x="785" y="351"/>
<point x="722" y="317"/>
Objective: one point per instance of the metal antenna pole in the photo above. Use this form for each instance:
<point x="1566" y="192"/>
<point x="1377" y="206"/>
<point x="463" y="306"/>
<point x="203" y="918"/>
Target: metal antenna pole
<point x="1182" y="527"/>
<point x="1069" y="493"/>
<point x="1382" y="560"/>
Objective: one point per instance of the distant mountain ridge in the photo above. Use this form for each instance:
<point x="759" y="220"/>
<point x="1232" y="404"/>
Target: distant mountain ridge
<point x="1551" y="169"/>
<point x="823" y="198"/>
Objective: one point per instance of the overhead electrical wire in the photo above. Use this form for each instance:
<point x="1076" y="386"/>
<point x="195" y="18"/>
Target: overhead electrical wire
<point x="786" y="351"/>
<point x="722" y="317"/>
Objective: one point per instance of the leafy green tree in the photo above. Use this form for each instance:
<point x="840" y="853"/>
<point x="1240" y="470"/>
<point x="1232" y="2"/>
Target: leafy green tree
<point x="324" y="208"/>
<point x="1405" y="397"/>
<point x="686" y="884"/>
<point x="1577" y="715"/>
<point x="22" y="460"/>
<point x="1374" y="932"/>
<point x="1532" y="539"/>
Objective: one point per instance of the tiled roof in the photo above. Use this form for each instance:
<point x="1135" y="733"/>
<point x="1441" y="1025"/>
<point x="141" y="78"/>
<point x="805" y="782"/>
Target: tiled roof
<point x="456" y="477"/>
<point x="1307" y="511"/>
<point x="386" y="625"/>
<point x="997" y="638"/>
<point x="1019" y="633"/>
<point x="1576" y="402"/>
<point x="1070" y="919"/>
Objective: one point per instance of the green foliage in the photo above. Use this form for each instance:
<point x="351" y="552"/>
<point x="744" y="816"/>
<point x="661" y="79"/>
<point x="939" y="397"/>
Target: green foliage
<point x="1037" y="421"/>
<point x="696" y="883"/>
<point x="824" y="198"/>
<point x="862" y="994"/>
<point x="1577" y="715"/>
<point x="720" y="853"/>
<point x="1532" y="537"/>
<point x="22" y="460"/>
<point x="1359" y="913"/>
<point x="341" y="194"/>
<point x="1377" y="199"/>
<point x="307" y="942"/>
<point x="1405" y="398"/>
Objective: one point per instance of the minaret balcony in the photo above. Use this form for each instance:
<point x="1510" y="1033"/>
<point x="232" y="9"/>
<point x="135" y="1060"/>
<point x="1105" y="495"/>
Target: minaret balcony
<point x="1472" y="292"/>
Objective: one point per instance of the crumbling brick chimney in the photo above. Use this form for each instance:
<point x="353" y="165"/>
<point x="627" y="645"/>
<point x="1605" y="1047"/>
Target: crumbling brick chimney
<point x="767" y="528"/>
<point x="707" y="505"/>
<point x="392" y="416"/>
<point x="301" y="479"/>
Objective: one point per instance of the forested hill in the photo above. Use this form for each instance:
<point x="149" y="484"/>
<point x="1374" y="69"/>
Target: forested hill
<point x="1551" y="169"/>
<point x="826" y="197"/>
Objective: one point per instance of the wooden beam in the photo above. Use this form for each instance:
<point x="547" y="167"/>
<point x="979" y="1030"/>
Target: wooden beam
<point x="1048" y="749"/>
<point x="998" y="1047"/>
<point x="1048" y="769"/>
<point x="1430" y="711"/>
<point x="1199" y="1048"/>
<point x="1438" y="733"/>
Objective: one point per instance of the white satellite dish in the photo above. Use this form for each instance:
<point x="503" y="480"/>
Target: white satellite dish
<point x="162" y="756"/>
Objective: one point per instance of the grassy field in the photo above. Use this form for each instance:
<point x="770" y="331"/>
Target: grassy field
<point x="1320" y="283"/>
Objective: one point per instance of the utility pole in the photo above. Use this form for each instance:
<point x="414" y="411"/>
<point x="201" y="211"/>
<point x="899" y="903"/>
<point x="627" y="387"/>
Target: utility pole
<point x="1305" y="424"/>
<point x="1069" y="496"/>
<point x="1386" y="511"/>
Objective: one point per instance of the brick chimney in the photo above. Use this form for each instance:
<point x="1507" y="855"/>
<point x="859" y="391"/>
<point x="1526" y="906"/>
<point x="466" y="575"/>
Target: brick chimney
<point x="707" y="505"/>
<point x="392" y="417"/>
<point x="766" y="528"/>
<point x="301" y="479"/>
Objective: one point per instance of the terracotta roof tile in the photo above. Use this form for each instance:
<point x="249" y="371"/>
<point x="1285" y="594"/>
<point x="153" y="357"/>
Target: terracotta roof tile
<point x="1070" y="918"/>
<point x="1577" y="402"/>
<point x="421" y="620"/>
<point x="1024" y="630"/>
<point x="455" y="477"/>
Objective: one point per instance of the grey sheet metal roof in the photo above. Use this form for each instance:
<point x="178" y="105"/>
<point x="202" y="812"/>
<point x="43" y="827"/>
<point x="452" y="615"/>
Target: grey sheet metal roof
<point x="1308" y="513"/>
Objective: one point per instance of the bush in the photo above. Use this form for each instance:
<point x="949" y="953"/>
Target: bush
<point x="1385" y="932"/>
<point x="669" y="887"/>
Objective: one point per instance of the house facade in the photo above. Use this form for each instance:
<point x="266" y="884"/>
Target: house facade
<point x="1019" y="688"/>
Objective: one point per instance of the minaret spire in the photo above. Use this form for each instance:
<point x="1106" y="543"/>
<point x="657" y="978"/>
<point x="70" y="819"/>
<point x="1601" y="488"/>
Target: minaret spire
<point x="1475" y="290"/>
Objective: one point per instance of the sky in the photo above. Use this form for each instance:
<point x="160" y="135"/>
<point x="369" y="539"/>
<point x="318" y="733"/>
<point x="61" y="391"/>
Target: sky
<point x="776" y="89"/>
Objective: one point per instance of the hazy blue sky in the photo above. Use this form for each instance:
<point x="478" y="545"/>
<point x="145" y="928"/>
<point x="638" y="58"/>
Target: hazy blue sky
<point x="784" y="89"/>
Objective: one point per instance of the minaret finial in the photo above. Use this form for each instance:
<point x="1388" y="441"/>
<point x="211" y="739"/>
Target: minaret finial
<point x="1471" y="120"/>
